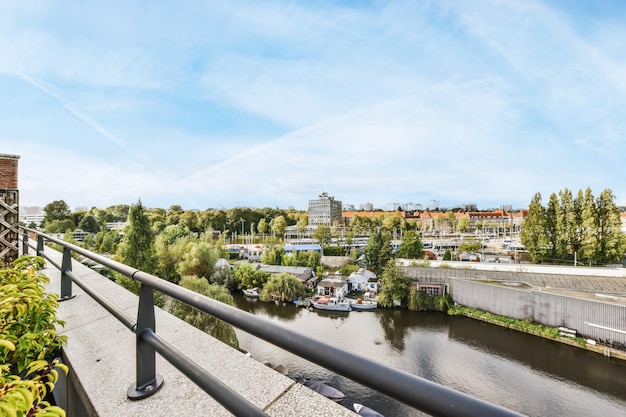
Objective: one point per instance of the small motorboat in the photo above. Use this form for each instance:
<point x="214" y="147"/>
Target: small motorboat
<point x="363" y="305"/>
<point x="331" y="304"/>
<point x="364" y="411"/>
<point x="322" y="388"/>
<point x="252" y="292"/>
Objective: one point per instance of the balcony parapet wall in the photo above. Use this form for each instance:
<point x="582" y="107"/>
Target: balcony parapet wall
<point x="101" y="355"/>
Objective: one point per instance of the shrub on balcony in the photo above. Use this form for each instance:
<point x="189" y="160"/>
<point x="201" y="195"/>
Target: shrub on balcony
<point x="28" y="340"/>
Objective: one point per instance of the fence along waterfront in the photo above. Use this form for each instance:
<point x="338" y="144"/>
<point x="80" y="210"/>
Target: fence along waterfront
<point x="419" y="393"/>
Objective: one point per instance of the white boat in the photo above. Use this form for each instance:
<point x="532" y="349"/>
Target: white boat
<point x="252" y="292"/>
<point x="365" y="411"/>
<point x="363" y="305"/>
<point x="331" y="304"/>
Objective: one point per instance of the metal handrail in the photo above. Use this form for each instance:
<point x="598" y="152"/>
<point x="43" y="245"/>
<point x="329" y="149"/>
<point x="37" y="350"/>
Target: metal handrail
<point x="417" y="392"/>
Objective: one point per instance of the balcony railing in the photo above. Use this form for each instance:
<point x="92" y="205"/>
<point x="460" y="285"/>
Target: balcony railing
<point x="419" y="393"/>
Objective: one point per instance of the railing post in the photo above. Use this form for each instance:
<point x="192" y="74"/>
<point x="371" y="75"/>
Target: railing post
<point x="39" y="245"/>
<point x="25" y="244"/>
<point x="147" y="382"/>
<point x="66" y="281"/>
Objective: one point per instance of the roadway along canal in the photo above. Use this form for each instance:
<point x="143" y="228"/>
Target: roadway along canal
<point x="524" y="373"/>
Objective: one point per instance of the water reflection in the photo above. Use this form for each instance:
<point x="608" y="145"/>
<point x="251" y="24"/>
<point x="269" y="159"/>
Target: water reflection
<point x="281" y="311"/>
<point x="580" y="366"/>
<point x="397" y="324"/>
<point x="518" y="371"/>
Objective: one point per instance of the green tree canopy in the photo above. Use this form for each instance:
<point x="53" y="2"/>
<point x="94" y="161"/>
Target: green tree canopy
<point x="204" y="321"/>
<point x="394" y="286"/>
<point x="89" y="224"/>
<point x="247" y="276"/>
<point x="378" y="251"/>
<point x="57" y="210"/>
<point x="323" y="235"/>
<point x="282" y="287"/>
<point x="586" y="227"/>
<point x="59" y="226"/>
<point x="531" y="235"/>
<point x="198" y="259"/>
<point x="278" y="225"/>
<point x="137" y="246"/>
<point x="470" y="244"/>
<point x="411" y="246"/>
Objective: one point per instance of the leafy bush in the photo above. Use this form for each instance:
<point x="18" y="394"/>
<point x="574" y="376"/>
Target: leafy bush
<point x="28" y="315"/>
<point x="28" y="341"/>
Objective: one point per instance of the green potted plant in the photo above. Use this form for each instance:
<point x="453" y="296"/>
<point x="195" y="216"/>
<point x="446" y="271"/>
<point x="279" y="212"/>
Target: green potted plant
<point x="28" y="340"/>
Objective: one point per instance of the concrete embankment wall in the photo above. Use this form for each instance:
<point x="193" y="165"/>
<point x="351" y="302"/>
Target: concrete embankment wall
<point x="592" y="319"/>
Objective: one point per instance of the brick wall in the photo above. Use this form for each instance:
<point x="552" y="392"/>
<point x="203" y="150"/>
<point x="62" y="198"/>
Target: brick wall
<point x="8" y="172"/>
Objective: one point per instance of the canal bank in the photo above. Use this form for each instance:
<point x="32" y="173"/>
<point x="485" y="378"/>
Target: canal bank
<point x="516" y="325"/>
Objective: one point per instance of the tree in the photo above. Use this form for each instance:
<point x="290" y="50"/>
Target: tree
<point x="323" y="235"/>
<point x="569" y="224"/>
<point x="173" y="214"/>
<point x="550" y="226"/>
<point x="378" y="252"/>
<point x="89" y="224"/>
<point x="189" y="219"/>
<point x="590" y="226"/>
<point x="198" y="259"/>
<point x="204" y="321"/>
<point x="394" y="286"/>
<point x="77" y="216"/>
<point x="274" y="256"/>
<point x="106" y="241"/>
<point x="411" y="246"/>
<point x="470" y="244"/>
<point x="282" y="287"/>
<point x="137" y="246"/>
<point x="531" y="235"/>
<point x="262" y="226"/>
<point x="604" y="242"/>
<point x="278" y="225"/>
<point x="451" y="220"/>
<point x="59" y="226"/>
<point x="463" y="224"/>
<point x="118" y="213"/>
<point x="57" y="210"/>
<point x="392" y="222"/>
<point x="247" y="276"/>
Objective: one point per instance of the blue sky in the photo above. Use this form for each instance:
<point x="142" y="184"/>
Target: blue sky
<point x="267" y="104"/>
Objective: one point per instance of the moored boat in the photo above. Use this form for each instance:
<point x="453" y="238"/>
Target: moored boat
<point x="252" y="292"/>
<point x="365" y="411"/>
<point x="363" y="305"/>
<point x="331" y="303"/>
<point x="322" y="388"/>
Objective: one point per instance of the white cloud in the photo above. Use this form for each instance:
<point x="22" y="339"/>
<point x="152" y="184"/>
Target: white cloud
<point x="388" y="102"/>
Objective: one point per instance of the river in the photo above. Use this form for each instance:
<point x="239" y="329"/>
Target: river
<point x="525" y="373"/>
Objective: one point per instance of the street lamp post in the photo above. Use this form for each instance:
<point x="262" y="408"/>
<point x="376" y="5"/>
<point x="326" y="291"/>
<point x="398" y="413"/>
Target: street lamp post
<point x="242" y="222"/>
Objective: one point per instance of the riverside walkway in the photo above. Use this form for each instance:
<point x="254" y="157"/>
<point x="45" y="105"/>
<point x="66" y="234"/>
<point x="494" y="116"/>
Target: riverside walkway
<point x="101" y="355"/>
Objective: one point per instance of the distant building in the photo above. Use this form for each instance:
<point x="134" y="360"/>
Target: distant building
<point x="411" y="207"/>
<point x="391" y="206"/>
<point x="366" y="207"/>
<point x="349" y="207"/>
<point x="433" y="205"/>
<point x="324" y="210"/>
<point x="31" y="214"/>
<point x="473" y="207"/>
